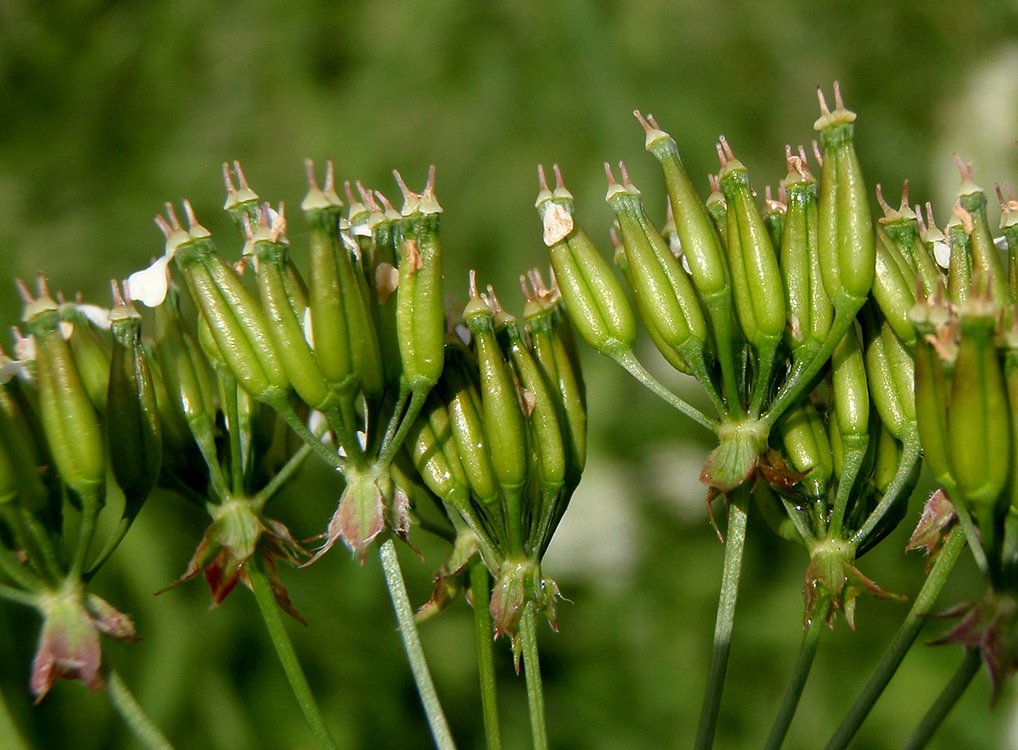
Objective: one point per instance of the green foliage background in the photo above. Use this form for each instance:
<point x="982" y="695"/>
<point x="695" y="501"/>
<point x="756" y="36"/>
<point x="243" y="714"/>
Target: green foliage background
<point x="110" y="108"/>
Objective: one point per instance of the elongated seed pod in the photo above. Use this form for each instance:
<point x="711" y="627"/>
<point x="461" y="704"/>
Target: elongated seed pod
<point x="420" y="307"/>
<point x="890" y="372"/>
<point x="845" y="239"/>
<point x="90" y="347"/>
<point x="463" y="403"/>
<point x="504" y="422"/>
<point x="20" y="480"/>
<point x="232" y="313"/>
<point x="902" y="228"/>
<point x="932" y="387"/>
<point x="133" y="429"/>
<point x="959" y="270"/>
<point x="850" y="392"/>
<point x="284" y="310"/>
<point x="979" y="428"/>
<point x="592" y="294"/>
<point x="809" y="310"/>
<point x="971" y="209"/>
<point x="549" y="333"/>
<point x="804" y="439"/>
<point x="69" y="420"/>
<point x="345" y="341"/>
<point x="894" y="287"/>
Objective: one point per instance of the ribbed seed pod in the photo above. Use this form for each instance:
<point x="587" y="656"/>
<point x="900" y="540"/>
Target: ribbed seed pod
<point x="932" y="384"/>
<point x="432" y="448"/>
<point x="504" y="422"/>
<point x="805" y="443"/>
<point x="902" y="228"/>
<point x="971" y="209"/>
<point x="383" y="278"/>
<point x="420" y="307"/>
<point x="845" y="239"/>
<point x="670" y="307"/>
<point x="232" y="313"/>
<point x="345" y="342"/>
<point x="133" y="430"/>
<point x="284" y="308"/>
<point x="550" y="338"/>
<point x="894" y="287"/>
<point x="702" y="247"/>
<point x="90" y="347"/>
<point x="463" y="403"/>
<point x="807" y="306"/>
<point x="546" y="438"/>
<point x="978" y="420"/>
<point x="69" y="420"/>
<point x="959" y="269"/>
<point x="19" y="463"/>
<point x="595" y="300"/>
<point x="756" y="279"/>
<point x="850" y="405"/>
<point x="773" y="214"/>
<point x="890" y="370"/>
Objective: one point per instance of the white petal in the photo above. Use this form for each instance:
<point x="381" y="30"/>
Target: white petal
<point x="558" y="223"/>
<point x="309" y="334"/>
<point x="149" y="286"/>
<point x="942" y="254"/>
<point x="99" y="316"/>
<point x="66" y="329"/>
<point x="10" y="369"/>
<point x="24" y="349"/>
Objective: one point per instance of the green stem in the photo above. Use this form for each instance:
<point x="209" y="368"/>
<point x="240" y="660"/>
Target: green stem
<point x="228" y="385"/>
<point x="945" y="701"/>
<point x="532" y="668"/>
<point x="17" y="596"/>
<point x="10" y="735"/>
<point x="908" y="631"/>
<point x="289" y="414"/>
<point x="793" y="692"/>
<point x="909" y="458"/>
<point x="283" y="475"/>
<point x="284" y="649"/>
<point x="412" y="644"/>
<point x="89" y="514"/>
<point x="394" y="439"/>
<point x="734" y="545"/>
<point x="134" y="715"/>
<point x="479" y="582"/>
<point x="638" y="371"/>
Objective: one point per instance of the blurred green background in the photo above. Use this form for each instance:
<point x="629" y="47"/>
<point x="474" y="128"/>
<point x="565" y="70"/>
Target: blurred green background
<point x="111" y="108"/>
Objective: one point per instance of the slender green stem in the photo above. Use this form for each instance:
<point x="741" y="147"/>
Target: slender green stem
<point x="394" y="437"/>
<point x="134" y="715"/>
<point x="284" y="475"/>
<point x="734" y="545"/>
<point x="287" y="655"/>
<point x="638" y="371"/>
<point x="945" y="701"/>
<point x="532" y="668"/>
<point x="909" y="458"/>
<point x="86" y="531"/>
<point x="327" y="454"/>
<point x="479" y="582"/>
<point x="17" y="596"/>
<point x="18" y="573"/>
<point x="800" y="523"/>
<point x="412" y="644"/>
<point x="10" y="735"/>
<point x="32" y="539"/>
<point x="908" y="631"/>
<point x="793" y="692"/>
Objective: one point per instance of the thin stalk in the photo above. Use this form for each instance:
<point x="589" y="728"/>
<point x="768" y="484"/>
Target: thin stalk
<point x="10" y="735"/>
<point x="909" y="458"/>
<point x="793" y="692"/>
<point x="945" y="701"/>
<point x="144" y="729"/>
<point x="86" y="531"/>
<point x="287" y="655"/>
<point x="532" y="668"/>
<point x="734" y="544"/>
<point x="284" y="475"/>
<point x="412" y="644"/>
<point x="479" y="582"/>
<point x="638" y="371"/>
<point x="34" y="541"/>
<point x="17" y="596"/>
<point x="229" y="386"/>
<point x="908" y="631"/>
<point x="394" y="439"/>
<point x="287" y="412"/>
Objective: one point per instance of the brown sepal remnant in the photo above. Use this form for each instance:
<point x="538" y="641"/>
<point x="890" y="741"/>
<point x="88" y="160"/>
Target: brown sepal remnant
<point x="69" y="643"/>
<point x="938" y="517"/>
<point x="834" y="583"/>
<point x="230" y="542"/>
<point x="991" y="625"/>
